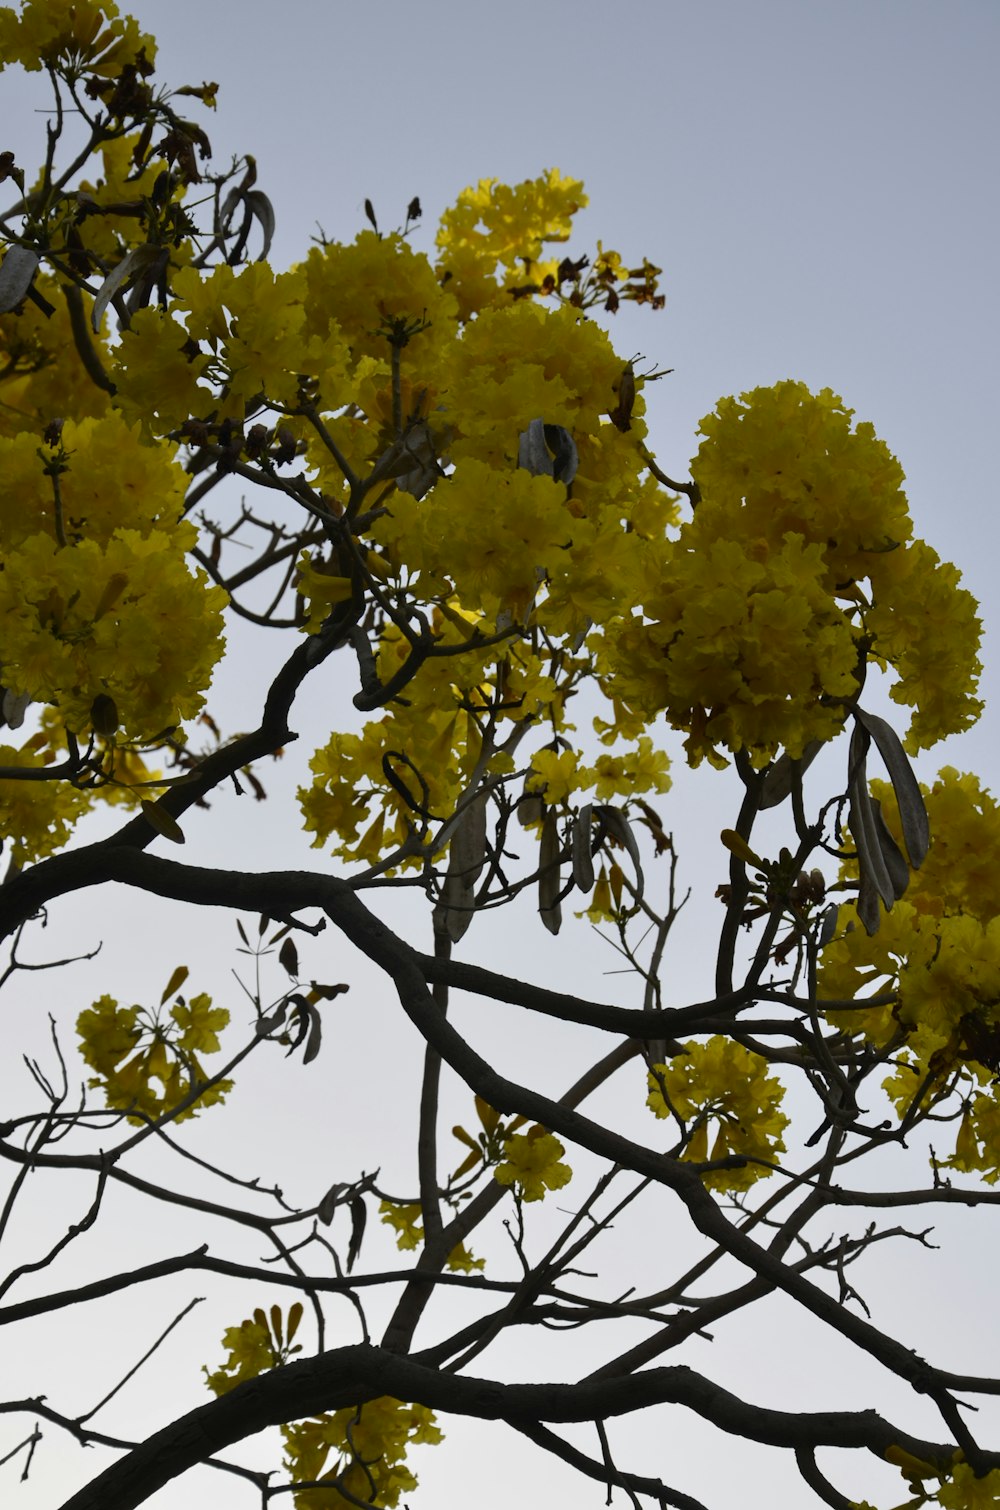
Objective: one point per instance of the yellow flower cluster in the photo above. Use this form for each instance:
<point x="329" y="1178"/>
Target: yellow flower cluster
<point x="96" y="598"/>
<point x="369" y="1444"/>
<point x="36" y="817"/>
<point x="496" y="228"/>
<point x="721" y="1083"/>
<point x="405" y="1219"/>
<point x="796" y="565"/>
<point x="251" y="1352"/>
<point x="964" y="1491"/>
<point x="408" y="768"/>
<point x="557" y="774"/>
<point x="262" y="1342"/>
<point x="532" y="1164"/>
<point x="130" y="1048"/>
<point x="75" y="35"/>
<point x="938" y="953"/>
<point x="353" y="293"/>
<point x="745" y="649"/>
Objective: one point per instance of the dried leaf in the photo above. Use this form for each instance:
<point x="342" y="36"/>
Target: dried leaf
<point x="456" y="908"/>
<point x="548" y="874"/>
<point x="781" y="775"/>
<point x="909" y="799"/>
<point x="468" y="845"/>
<point x="16" y="272"/>
<point x="14" y="707"/>
<point x="583" y="859"/>
<point x="263" y="210"/>
<point x="617" y="825"/>
<point x="828" y="927"/>
<point x="132" y="264"/>
<point x="547" y="451"/>
<point x="530" y="809"/>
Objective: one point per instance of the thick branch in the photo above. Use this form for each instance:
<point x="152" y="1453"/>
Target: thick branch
<point x="351" y="1375"/>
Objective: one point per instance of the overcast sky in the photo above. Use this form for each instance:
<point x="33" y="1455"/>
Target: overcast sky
<point x="818" y="184"/>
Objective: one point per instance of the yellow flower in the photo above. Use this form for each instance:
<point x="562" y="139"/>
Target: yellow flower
<point x="967" y="1492"/>
<point x="250" y="1354"/>
<point x="532" y="1164"/>
<point x="722" y="1084"/>
<point x="369" y="1443"/>
<point x="554" y="774"/>
<point x="156" y="379"/>
<point x="36" y="817"/>
<point x="77" y="35"/>
<point x="405" y="1222"/>
<point x="493" y="226"/>
<point x="460" y="1260"/>
<point x="130" y="1048"/>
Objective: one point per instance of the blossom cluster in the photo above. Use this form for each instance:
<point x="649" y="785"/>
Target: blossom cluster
<point x="147" y="1062"/>
<point x="729" y="1107"/>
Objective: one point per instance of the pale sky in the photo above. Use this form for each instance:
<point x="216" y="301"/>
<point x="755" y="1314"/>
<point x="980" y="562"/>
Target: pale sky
<point x="818" y="184"/>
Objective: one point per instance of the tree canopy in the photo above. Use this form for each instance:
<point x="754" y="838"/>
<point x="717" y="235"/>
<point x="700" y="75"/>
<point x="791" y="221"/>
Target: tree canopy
<point x="432" y="466"/>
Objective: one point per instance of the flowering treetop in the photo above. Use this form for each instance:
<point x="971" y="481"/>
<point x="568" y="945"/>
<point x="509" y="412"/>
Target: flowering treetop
<point x="451" y="482"/>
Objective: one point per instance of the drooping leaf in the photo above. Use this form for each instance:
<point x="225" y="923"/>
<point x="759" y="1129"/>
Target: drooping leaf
<point x="909" y="799"/>
<point x="548" y="874"/>
<point x="583" y="859"/>
<point x="617" y="825"/>
<point x="263" y="211"/>
<point x="783" y="772"/>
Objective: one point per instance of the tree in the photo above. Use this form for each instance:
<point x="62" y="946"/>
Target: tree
<point x="435" y="467"/>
